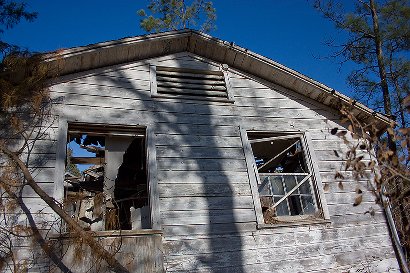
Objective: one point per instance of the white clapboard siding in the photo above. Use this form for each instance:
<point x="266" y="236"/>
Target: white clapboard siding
<point x="206" y="190"/>
<point x="319" y="256"/>
<point x="203" y="177"/>
<point x="255" y="242"/>
<point x="205" y="199"/>
<point x="203" y="203"/>
<point x="208" y="217"/>
<point x="199" y="152"/>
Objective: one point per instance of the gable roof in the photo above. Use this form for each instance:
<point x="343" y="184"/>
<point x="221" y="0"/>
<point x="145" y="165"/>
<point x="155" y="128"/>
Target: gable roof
<point x="155" y="45"/>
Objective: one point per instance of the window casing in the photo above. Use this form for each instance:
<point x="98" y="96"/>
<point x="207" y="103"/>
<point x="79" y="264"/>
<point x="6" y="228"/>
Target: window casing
<point x="113" y="190"/>
<point x="284" y="178"/>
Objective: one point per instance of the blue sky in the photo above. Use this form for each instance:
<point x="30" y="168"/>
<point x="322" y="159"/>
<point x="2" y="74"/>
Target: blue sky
<point x="290" y="32"/>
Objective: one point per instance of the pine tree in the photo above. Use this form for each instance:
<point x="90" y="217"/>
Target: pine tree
<point x="178" y="14"/>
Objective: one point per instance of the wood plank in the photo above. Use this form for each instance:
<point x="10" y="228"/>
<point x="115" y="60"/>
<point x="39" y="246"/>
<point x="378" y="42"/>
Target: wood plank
<point x="119" y="82"/>
<point x="217" y="229"/>
<point x="87" y="160"/>
<point x="199" y="152"/>
<point x="203" y="177"/>
<point x="153" y="80"/>
<point x="268" y="103"/>
<point x="284" y="124"/>
<point x="344" y="233"/>
<point x="144" y="103"/>
<point x="40" y="146"/>
<point x="147" y="257"/>
<point x="357" y="219"/>
<point x="191" y="81"/>
<point x="184" y="85"/>
<point x="198" y="141"/>
<point x="329" y="145"/>
<point x="201" y="164"/>
<point x="204" y="203"/>
<point x="206" y="190"/>
<point x="348" y="198"/>
<point x="334" y="155"/>
<point x="290" y="260"/>
<point x="47" y="187"/>
<point x="35" y="161"/>
<point x="213" y="244"/>
<point x="208" y="217"/>
<point x="278" y="111"/>
<point x="43" y="175"/>
<point x="252" y="174"/>
<point x="78" y="88"/>
<point x="192" y="92"/>
<point x="129" y="116"/>
<point x="188" y="64"/>
<point x="343" y="209"/>
<point x="199" y="130"/>
<point x="153" y="186"/>
<point x="384" y="265"/>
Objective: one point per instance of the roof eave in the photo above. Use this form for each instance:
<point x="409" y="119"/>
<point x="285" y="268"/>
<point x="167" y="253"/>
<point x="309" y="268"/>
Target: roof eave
<point x="154" y="45"/>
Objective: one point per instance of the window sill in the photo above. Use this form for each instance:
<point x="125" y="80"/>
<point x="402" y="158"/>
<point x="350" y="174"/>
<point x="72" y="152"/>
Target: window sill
<point x="113" y="233"/>
<point x="295" y="222"/>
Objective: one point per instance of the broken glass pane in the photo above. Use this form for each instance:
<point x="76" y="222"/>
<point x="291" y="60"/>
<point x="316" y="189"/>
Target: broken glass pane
<point x="264" y="186"/>
<point x="305" y="187"/>
<point x="277" y="185"/>
<point x="308" y="204"/>
<point x="295" y="205"/>
<point x="282" y="208"/>
<point x="290" y="183"/>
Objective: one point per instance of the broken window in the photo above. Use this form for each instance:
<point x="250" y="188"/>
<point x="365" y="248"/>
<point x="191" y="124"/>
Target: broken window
<point x="105" y="185"/>
<point x="285" y="180"/>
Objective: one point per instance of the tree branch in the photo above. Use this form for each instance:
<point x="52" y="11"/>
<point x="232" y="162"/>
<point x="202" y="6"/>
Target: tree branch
<point x="98" y="249"/>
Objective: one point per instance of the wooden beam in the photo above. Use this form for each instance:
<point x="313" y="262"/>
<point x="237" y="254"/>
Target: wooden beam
<point x="87" y="160"/>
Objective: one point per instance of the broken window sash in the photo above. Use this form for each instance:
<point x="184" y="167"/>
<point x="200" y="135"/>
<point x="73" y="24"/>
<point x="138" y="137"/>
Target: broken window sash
<point x="272" y="160"/>
<point x="273" y="138"/>
<point x="285" y="181"/>
<point x="287" y="194"/>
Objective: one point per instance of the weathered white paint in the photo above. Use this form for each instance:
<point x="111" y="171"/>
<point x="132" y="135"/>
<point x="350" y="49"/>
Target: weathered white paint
<point x="205" y="203"/>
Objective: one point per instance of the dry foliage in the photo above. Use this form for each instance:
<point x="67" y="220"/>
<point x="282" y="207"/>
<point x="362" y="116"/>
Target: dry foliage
<point x="370" y="158"/>
<point x="26" y="118"/>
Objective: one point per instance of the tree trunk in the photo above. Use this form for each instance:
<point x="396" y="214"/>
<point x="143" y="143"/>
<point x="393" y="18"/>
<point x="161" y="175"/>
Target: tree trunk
<point x="98" y="249"/>
<point x="382" y="70"/>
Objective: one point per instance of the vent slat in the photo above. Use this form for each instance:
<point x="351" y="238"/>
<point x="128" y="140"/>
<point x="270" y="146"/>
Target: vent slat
<point x="195" y="92"/>
<point x="192" y="86"/>
<point x="193" y="81"/>
<point x="189" y="75"/>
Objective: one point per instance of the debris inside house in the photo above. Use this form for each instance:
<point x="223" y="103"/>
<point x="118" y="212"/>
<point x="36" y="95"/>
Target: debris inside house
<point x="107" y="188"/>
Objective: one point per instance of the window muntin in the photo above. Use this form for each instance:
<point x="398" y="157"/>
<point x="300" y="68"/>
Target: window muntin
<point x="285" y="180"/>
<point x="111" y="191"/>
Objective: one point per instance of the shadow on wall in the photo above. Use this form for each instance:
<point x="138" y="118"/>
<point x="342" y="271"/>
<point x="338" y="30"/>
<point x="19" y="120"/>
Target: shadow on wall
<point x="196" y="173"/>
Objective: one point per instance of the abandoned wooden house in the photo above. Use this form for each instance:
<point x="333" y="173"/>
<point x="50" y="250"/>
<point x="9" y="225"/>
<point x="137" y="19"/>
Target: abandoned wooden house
<point x="202" y="156"/>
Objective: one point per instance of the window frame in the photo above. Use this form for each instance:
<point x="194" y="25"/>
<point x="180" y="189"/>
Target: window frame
<point x="152" y="181"/>
<point x="316" y="184"/>
<point x="224" y="69"/>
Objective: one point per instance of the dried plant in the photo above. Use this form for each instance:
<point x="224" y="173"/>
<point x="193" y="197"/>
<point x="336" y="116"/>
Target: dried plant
<point x="26" y="118"/>
<point x="370" y="157"/>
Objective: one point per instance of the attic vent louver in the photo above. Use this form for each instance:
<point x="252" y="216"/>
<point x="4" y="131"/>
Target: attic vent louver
<point x="191" y="83"/>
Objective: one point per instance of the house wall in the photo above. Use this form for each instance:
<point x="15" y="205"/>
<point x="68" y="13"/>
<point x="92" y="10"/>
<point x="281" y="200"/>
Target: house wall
<point x="206" y="206"/>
